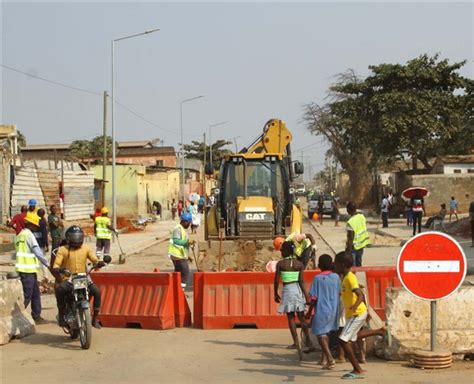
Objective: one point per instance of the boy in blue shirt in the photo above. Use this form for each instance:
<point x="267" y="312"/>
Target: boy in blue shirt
<point x="324" y="294"/>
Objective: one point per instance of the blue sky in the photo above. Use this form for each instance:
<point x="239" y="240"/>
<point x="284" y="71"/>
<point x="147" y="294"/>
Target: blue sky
<point x="251" y="61"/>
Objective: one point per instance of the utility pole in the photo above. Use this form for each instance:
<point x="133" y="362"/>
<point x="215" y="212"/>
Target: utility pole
<point x="104" y="161"/>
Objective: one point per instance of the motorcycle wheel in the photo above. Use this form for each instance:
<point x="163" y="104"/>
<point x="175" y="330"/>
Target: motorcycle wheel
<point x="85" y="328"/>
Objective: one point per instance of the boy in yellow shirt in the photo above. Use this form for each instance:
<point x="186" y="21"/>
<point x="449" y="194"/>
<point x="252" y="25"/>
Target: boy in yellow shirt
<point x="356" y="313"/>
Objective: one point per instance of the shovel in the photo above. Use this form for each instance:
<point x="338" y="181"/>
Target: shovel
<point x="195" y="260"/>
<point x="122" y="254"/>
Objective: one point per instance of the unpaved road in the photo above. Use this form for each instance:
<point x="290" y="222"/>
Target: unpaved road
<point x="185" y="355"/>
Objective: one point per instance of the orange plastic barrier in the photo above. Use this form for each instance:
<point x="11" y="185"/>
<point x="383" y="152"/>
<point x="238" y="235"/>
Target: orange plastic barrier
<point x="224" y="300"/>
<point x="130" y="299"/>
<point x="182" y="311"/>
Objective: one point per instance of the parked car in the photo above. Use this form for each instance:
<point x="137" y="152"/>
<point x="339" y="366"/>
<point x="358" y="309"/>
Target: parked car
<point x="327" y="207"/>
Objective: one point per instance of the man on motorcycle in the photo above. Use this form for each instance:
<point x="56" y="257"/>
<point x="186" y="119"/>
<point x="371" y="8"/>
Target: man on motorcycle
<point x="73" y="258"/>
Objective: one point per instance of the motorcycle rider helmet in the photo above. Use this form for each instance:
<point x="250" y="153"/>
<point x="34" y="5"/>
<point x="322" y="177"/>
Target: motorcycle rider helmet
<point x="74" y="236"/>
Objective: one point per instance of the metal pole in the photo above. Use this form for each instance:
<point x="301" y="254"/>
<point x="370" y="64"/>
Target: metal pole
<point x="433" y="325"/>
<point x="182" y="153"/>
<point x="210" y="145"/>
<point x="114" y="181"/>
<point x="104" y="161"/>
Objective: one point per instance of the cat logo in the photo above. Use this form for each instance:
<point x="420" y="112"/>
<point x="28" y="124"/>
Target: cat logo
<point x="255" y="216"/>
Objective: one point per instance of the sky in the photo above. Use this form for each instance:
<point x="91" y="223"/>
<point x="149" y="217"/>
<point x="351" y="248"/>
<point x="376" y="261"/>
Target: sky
<point x="251" y="61"/>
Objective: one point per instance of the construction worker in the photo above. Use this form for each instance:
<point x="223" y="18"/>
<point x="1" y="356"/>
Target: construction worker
<point x="73" y="257"/>
<point x="357" y="235"/>
<point x="28" y="257"/>
<point x="103" y="232"/>
<point x="178" y="248"/>
<point x="303" y="247"/>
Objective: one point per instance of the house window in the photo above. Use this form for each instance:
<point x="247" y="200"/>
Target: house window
<point x="159" y="163"/>
<point x="470" y="170"/>
<point x="456" y="171"/>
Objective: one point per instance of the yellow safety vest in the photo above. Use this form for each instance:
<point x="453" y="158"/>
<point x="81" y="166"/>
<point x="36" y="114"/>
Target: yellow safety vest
<point x="299" y="247"/>
<point x="361" y="236"/>
<point x="175" y="250"/>
<point x="102" y="232"/>
<point x="26" y="261"/>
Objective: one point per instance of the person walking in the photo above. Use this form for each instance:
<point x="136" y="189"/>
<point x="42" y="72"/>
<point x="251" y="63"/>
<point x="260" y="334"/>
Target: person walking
<point x="384" y="209"/>
<point x="201" y="203"/>
<point x="174" y="209"/>
<point x="294" y="297"/>
<point x="320" y="209"/>
<point x="103" y="232"/>
<point x="180" y="208"/>
<point x="18" y="221"/>
<point x="324" y="296"/>
<point x="178" y="248"/>
<point x="453" y="208"/>
<point x="355" y="309"/>
<point x="357" y="234"/>
<point x="55" y="229"/>
<point x="335" y="212"/>
<point x="417" y="204"/>
<point x="28" y="258"/>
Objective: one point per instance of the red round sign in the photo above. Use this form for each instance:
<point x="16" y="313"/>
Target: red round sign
<point x="431" y="265"/>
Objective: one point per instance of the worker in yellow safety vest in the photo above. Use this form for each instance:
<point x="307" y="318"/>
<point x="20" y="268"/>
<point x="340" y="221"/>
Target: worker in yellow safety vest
<point x="28" y="258"/>
<point x="357" y="234"/>
<point x="178" y="248"/>
<point x="305" y="247"/>
<point x="103" y="232"/>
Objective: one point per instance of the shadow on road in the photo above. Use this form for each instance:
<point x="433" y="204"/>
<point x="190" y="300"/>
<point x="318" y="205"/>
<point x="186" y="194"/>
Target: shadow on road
<point x="53" y="341"/>
<point x="244" y="344"/>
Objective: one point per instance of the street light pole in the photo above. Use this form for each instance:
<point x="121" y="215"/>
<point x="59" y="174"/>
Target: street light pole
<point x="114" y="181"/>
<point x="183" y="179"/>
<point x="210" y="138"/>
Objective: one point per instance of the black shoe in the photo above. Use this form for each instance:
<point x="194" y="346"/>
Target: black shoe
<point x="96" y="324"/>
<point x="61" y="320"/>
<point x="39" y="321"/>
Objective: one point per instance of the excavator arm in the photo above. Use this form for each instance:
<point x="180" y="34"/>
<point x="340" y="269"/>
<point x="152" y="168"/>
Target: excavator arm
<point x="274" y="139"/>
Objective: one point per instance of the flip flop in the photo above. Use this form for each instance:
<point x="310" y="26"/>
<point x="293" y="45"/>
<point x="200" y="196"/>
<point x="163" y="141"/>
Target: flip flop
<point x="330" y="365"/>
<point x="292" y="346"/>
<point x="352" y="376"/>
<point x="309" y="350"/>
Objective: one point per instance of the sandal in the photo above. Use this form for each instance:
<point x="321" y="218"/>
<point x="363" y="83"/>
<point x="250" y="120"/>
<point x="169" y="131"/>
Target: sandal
<point x="352" y="376"/>
<point x="292" y="346"/>
<point x="330" y="365"/>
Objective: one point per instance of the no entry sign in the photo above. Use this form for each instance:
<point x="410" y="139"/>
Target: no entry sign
<point x="431" y="265"/>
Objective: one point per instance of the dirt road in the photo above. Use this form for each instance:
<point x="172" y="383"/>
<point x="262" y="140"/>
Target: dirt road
<point x="185" y="355"/>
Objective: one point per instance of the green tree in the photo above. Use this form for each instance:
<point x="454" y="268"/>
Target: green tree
<point x="97" y="146"/>
<point x="195" y="150"/>
<point x="80" y="149"/>
<point x="21" y="139"/>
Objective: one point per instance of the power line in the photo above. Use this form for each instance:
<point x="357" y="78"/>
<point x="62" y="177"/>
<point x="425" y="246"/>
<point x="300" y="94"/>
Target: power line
<point x="309" y="145"/>
<point x="91" y="93"/>
<point x="51" y="81"/>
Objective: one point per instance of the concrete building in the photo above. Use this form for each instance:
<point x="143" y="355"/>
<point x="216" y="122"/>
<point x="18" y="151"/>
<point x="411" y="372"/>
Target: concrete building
<point x="454" y="164"/>
<point x="128" y="152"/>
<point x="138" y="187"/>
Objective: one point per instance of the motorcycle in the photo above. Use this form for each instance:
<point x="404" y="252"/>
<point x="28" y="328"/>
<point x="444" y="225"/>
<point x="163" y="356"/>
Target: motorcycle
<point x="77" y="314"/>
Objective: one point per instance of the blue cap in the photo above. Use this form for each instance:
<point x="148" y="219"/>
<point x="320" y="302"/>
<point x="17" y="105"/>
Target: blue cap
<point x="186" y="216"/>
<point x="32" y="203"/>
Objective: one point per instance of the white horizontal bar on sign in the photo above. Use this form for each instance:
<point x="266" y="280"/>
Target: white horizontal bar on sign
<point x="431" y="266"/>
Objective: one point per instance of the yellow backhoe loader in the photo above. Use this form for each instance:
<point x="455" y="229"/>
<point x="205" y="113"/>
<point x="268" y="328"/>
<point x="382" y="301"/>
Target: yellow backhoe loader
<point x="254" y="203"/>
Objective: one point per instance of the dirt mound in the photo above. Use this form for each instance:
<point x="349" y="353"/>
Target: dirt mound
<point x="461" y="227"/>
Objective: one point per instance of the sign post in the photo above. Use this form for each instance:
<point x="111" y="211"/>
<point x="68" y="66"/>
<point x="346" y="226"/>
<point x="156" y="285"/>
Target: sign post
<point x="431" y="266"/>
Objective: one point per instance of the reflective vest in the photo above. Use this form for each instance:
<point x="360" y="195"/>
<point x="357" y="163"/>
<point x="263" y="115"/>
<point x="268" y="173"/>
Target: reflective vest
<point x="101" y="230"/>
<point x="299" y="247"/>
<point x="26" y="261"/>
<point x="175" y="250"/>
<point x="361" y="236"/>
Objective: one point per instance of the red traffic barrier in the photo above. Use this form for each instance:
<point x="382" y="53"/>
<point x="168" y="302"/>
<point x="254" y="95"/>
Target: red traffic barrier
<point x="182" y="312"/>
<point x="224" y="300"/>
<point x="136" y="299"/>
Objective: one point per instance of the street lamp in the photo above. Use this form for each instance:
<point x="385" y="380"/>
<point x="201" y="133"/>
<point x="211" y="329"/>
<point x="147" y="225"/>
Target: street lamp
<point x="114" y="184"/>
<point x="210" y="139"/>
<point x="182" y="142"/>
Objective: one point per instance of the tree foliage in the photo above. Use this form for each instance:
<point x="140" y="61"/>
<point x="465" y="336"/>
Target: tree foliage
<point x="420" y="109"/>
<point x="195" y="150"/>
<point x="21" y="139"/>
<point x="84" y="149"/>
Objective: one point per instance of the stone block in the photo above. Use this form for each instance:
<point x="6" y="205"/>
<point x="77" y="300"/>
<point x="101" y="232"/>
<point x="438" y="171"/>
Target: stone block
<point x="408" y="319"/>
<point x="15" y="321"/>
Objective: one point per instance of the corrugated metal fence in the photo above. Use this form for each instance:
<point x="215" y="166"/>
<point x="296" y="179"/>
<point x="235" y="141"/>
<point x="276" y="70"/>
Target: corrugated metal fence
<point x="78" y="188"/>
